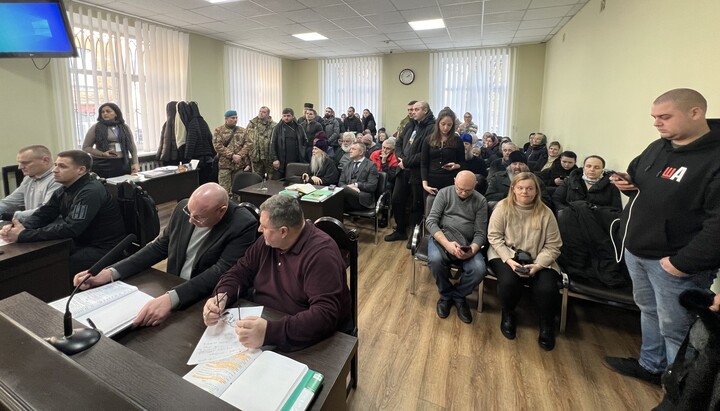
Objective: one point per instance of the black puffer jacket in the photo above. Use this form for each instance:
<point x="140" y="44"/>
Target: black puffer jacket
<point x="603" y="193"/>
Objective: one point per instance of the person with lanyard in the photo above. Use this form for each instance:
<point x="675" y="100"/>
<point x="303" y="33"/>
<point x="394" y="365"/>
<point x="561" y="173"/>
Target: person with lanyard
<point x="111" y="144"/>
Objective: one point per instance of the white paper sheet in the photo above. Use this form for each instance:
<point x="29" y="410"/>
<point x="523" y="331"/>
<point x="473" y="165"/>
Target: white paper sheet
<point x="220" y="341"/>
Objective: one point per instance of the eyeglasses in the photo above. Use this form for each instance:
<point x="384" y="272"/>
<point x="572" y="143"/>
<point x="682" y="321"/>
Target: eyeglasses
<point x="200" y="221"/>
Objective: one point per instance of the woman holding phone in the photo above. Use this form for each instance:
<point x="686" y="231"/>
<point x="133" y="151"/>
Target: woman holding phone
<point x="441" y="154"/>
<point x="522" y="228"/>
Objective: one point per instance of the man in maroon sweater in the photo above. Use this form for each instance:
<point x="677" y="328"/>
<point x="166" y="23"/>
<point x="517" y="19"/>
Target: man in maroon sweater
<point x="294" y="268"/>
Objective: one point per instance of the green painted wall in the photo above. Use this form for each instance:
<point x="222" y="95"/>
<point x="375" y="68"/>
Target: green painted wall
<point x="206" y="78"/>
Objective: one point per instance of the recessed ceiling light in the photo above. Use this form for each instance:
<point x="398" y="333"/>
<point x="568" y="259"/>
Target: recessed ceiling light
<point x="310" y="36"/>
<point x="427" y="24"/>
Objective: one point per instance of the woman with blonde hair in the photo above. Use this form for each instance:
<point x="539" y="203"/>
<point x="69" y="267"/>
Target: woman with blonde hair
<point x="524" y="244"/>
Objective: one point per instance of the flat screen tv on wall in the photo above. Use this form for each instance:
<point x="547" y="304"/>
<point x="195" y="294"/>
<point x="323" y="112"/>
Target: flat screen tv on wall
<point x="35" y="28"/>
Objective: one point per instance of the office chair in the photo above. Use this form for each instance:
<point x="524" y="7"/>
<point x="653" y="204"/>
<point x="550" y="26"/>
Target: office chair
<point x="374" y="213"/>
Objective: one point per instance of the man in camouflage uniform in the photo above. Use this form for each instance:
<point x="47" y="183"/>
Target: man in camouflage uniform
<point x="405" y="120"/>
<point x="233" y="148"/>
<point x="259" y="132"/>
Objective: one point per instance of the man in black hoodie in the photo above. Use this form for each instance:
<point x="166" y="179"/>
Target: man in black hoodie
<point x="408" y="182"/>
<point x="672" y="226"/>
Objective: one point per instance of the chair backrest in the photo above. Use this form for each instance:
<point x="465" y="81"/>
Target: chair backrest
<point x="347" y="243"/>
<point x="382" y="181"/>
<point x="296" y="169"/>
<point x="7" y="171"/>
<point x="139" y="212"/>
<point x="244" y="179"/>
<point x="255" y="211"/>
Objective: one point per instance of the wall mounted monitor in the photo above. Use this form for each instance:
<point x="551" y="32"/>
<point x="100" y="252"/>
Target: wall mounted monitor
<point x="35" y="28"/>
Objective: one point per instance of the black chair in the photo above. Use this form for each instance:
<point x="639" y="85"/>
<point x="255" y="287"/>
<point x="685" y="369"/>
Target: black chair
<point x="374" y="213"/>
<point x="347" y="243"/>
<point x="255" y="211"/>
<point x="7" y="171"/>
<point x="244" y="179"/>
<point x="294" y="172"/>
<point x="594" y="291"/>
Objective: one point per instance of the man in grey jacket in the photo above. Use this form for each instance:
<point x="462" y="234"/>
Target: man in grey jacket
<point x="206" y="235"/>
<point x="457" y="224"/>
<point x="36" y="188"/>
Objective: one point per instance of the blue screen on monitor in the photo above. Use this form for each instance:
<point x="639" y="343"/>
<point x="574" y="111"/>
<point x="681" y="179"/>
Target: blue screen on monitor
<point x="34" y="29"/>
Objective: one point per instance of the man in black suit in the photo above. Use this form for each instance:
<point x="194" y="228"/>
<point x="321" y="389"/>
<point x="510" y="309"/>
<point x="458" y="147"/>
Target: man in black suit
<point x="206" y="236"/>
<point x="359" y="180"/>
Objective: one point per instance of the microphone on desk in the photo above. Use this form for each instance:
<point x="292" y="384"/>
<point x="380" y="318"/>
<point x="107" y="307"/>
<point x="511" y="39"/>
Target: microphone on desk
<point x="74" y="341"/>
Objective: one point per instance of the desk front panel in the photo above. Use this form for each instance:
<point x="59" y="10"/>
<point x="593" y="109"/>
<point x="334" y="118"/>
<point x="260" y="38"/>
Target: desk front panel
<point x="40" y="268"/>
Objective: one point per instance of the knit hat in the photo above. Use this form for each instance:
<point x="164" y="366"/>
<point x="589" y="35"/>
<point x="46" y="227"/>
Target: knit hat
<point x="466" y="138"/>
<point x="517" y="157"/>
<point x="320" y="135"/>
<point x="230" y="113"/>
<point x="322" y="144"/>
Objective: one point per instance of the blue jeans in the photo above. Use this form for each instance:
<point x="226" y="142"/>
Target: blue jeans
<point x="473" y="272"/>
<point x="664" y="322"/>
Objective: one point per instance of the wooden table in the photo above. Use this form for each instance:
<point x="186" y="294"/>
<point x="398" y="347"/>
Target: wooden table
<point x="331" y="207"/>
<point x="40" y="268"/>
<point x="171" y="343"/>
<point x="146" y="364"/>
<point x="170" y="187"/>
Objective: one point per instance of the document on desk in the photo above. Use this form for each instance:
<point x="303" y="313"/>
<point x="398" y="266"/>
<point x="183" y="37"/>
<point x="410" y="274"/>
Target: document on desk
<point x="258" y="381"/>
<point x="220" y="341"/>
<point x="112" y="307"/>
<point x="303" y="188"/>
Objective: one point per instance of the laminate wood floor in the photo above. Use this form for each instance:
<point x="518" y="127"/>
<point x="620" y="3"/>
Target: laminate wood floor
<point x="410" y="359"/>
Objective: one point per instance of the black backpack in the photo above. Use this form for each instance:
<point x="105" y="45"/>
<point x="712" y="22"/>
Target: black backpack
<point x="139" y="212"/>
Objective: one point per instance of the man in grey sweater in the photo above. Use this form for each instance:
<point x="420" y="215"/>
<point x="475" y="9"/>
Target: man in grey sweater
<point x="457" y="224"/>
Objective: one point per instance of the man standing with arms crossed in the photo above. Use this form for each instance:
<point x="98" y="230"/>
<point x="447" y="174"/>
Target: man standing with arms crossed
<point x="673" y="227"/>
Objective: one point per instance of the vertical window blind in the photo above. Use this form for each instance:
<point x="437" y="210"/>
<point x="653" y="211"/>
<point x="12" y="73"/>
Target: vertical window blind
<point x="254" y="80"/>
<point x="353" y="82"/>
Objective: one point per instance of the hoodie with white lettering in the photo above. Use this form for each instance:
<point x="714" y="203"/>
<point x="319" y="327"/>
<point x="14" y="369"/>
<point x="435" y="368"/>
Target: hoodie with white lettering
<point x="676" y="211"/>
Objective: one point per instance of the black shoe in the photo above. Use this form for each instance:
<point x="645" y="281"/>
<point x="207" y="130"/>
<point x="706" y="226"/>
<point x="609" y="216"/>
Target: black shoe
<point x="631" y="367"/>
<point x="443" y="307"/>
<point x="463" y="311"/>
<point x="546" y="339"/>
<point x="507" y="324"/>
<point x="396" y="236"/>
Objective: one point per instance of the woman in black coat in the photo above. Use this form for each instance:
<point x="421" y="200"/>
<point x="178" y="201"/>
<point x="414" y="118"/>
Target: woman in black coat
<point x="589" y="184"/>
<point x="368" y="122"/>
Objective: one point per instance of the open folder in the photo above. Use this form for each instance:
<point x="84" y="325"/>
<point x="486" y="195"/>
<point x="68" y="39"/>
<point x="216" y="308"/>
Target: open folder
<point x="112" y="307"/>
<point x="258" y="381"/>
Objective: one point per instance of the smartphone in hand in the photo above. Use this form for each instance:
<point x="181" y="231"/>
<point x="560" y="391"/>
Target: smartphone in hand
<point x="465" y="248"/>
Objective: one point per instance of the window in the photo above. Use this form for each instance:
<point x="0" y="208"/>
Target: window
<point x="255" y="80"/>
<point x="136" y="65"/>
<point x="351" y="82"/>
<point x="475" y="81"/>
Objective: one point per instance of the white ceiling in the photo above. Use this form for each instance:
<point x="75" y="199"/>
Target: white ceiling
<point x="358" y="27"/>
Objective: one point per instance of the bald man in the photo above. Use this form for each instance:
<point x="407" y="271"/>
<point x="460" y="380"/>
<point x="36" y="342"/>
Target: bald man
<point x="206" y="235"/>
<point x="457" y="224"/>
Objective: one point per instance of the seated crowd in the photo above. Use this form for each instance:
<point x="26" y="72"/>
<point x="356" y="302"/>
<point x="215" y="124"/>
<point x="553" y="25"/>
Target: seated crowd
<point x="519" y="212"/>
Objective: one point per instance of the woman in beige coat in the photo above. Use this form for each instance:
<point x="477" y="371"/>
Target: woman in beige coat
<point x="521" y="222"/>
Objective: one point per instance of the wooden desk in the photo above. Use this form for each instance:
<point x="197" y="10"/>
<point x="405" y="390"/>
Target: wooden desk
<point x="331" y="207"/>
<point x="170" y="187"/>
<point x="41" y="268"/>
<point x="171" y="343"/>
<point x="139" y="379"/>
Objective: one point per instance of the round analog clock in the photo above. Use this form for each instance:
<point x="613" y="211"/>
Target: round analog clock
<point x="407" y="76"/>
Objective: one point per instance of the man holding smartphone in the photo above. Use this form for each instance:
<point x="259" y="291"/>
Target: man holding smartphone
<point x="457" y="224"/>
<point x="672" y="227"/>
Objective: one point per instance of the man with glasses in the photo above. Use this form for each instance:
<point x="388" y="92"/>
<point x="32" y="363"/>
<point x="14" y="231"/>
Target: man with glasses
<point x="295" y="268"/>
<point x="457" y="224"/>
<point x="206" y="235"/>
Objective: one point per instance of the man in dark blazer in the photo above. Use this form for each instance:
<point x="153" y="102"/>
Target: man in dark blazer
<point x="359" y="180"/>
<point x="205" y="236"/>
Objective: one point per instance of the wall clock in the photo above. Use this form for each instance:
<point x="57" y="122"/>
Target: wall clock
<point x="407" y="76"/>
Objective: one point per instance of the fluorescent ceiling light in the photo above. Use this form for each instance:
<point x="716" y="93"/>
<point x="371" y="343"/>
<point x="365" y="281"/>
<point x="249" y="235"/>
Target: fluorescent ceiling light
<point x="427" y="24"/>
<point x="310" y="36"/>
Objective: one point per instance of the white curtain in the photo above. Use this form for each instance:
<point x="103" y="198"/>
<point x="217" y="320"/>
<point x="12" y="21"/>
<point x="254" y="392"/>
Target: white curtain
<point x="351" y="82"/>
<point x="254" y="80"/>
<point x="134" y="64"/>
<point x="475" y="81"/>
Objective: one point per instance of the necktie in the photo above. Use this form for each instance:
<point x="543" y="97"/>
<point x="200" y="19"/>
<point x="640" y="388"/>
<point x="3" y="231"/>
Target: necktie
<point x="356" y="165"/>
